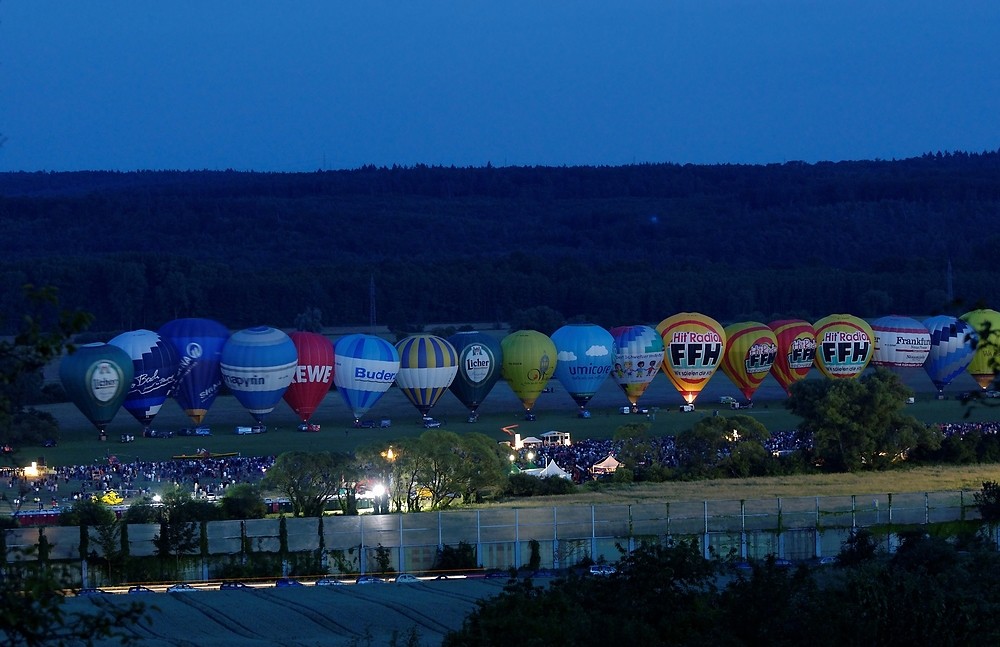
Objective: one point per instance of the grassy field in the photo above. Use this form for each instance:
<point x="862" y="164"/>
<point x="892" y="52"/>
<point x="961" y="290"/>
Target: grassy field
<point x="79" y="443"/>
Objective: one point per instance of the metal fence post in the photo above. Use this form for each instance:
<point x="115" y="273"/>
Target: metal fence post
<point x="705" y="550"/>
<point x="743" y="529"/>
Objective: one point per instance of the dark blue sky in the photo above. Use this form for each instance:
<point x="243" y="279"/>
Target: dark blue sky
<point x="324" y="84"/>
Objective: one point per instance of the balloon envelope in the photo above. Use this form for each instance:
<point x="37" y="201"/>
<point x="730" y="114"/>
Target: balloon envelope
<point x="427" y="367"/>
<point x="751" y="349"/>
<point x="953" y="343"/>
<point x="96" y="378"/>
<point x="694" y="345"/>
<point x="583" y="359"/>
<point x="529" y="361"/>
<point x="364" y="368"/>
<point x="900" y="342"/>
<point x="983" y="367"/>
<point x="796" y="341"/>
<point x="155" y="364"/>
<point x="637" y="352"/>
<point x="198" y="344"/>
<point x="257" y="366"/>
<point x="313" y="375"/>
<point x="844" y="346"/>
<point x="479" y="367"/>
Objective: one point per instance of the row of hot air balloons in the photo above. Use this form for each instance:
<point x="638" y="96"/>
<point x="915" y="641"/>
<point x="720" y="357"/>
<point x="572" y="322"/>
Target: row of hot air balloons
<point x="190" y="360"/>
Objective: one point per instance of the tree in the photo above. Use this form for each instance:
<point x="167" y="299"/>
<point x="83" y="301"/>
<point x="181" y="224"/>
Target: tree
<point x="243" y="501"/>
<point x="178" y="518"/>
<point x="859" y="424"/>
<point x="988" y="502"/>
<point x="308" y="479"/>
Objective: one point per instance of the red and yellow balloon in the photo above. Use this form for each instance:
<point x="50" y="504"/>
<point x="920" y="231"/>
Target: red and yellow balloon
<point x="694" y="345"/>
<point x="751" y="349"/>
<point x="796" y="341"/>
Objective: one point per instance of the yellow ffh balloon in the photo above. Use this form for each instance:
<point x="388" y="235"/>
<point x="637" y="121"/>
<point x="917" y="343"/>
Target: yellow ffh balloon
<point x="751" y="349"/>
<point x="694" y="345"/>
<point x="983" y="367"/>
<point x="844" y="346"/>
<point x="529" y="360"/>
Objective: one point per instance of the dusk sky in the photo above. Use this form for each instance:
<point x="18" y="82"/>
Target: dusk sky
<point x="300" y="86"/>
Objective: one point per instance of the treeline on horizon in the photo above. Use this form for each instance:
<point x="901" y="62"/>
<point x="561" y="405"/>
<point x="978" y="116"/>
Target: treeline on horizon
<point x="611" y="245"/>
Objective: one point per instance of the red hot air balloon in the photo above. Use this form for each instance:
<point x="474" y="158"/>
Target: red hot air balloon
<point x="314" y="375"/>
<point x="796" y="350"/>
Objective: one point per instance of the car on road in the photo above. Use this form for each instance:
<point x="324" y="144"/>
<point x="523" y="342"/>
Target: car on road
<point x="234" y="585"/>
<point x="90" y="590"/>
<point x="406" y="578"/>
<point x="181" y="588"/>
<point x="138" y="590"/>
<point x="286" y="581"/>
<point x="329" y="581"/>
<point x="369" y="579"/>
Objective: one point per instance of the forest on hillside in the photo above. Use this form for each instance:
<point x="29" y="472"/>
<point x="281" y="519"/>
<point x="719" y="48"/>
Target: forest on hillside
<point x="612" y="245"/>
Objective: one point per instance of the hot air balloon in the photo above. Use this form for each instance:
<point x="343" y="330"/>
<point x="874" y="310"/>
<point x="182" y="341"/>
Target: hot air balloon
<point x="984" y="365"/>
<point x="258" y="365"/>
<point x="313" y="375"/>
<point x="198" y="344"/>
<point x="365" y="366"/>
<point x="900" y="342"/>
<point x="96" y="378"/>
<point x="427" y="367"/>
<point x="636" y="355"/>
<point x="953" y="344"/>
<point x="751" y="349"/>
<point x="529" y="360"/>
<point x="155" y="365"/>
<point x="844" y="346"/>
<point x="694" y="345"/>
<point x="796" y="341"/>
<point x="583" y="361"/>
<point x="479" y="367"/>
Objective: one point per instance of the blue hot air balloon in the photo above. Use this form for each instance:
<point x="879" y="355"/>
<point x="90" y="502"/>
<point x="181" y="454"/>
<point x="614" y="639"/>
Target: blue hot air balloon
<point x="365" y="366"/>
<point x="257" y="365"/>
<point x="427" y="367"/>
<point x="96" y="378"/>
<point x="584" y="360"/>
<point x="479" y="363"/>
<point x="155" y="364"/>
<point x="953" y="345"/>
<point x="199" y="344"/>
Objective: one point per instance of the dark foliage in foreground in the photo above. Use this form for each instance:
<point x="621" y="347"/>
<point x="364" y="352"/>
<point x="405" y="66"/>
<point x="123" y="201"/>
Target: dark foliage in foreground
<point x="926" y="593"/>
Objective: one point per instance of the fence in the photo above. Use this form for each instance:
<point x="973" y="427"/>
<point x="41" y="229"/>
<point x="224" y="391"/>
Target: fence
<point x="792" y="528"/>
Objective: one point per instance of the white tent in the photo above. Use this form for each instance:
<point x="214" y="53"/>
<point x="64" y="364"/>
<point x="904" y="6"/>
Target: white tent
<point x="550" y="469"/>
<point x="607" y="466"/>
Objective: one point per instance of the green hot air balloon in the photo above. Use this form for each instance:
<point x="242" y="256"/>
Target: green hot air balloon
<point x="529" y="360"/>
<point x="97" y="378"/>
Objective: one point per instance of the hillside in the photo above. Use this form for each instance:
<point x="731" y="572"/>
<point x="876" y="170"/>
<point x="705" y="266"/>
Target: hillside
<point x="612" y="244"/>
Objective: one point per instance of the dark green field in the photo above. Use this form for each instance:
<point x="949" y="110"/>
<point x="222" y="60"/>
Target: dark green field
<point x="79" y="442"/>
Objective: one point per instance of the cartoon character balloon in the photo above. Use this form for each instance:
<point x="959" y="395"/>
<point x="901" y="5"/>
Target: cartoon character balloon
<point x="694" y="345"/>
<point x="584" y="356"/>
<point x="529" y="361"/>
<point x="313" y="375"/>
<point x="796" y="341"/>
<point x="637" y="353"/>
<point x="365" y="366"/>
<point x="953" y="344"/>
<point x="155" y="365"/>
<point x="427" y="366"/>
<point x="198" y="344"/>
<point x="96" y="378"/>
<point x="984" y="365"/>
<point x="751" y="349"/>
<point x="844" y="346"/>
<point x="258" y="365"/>
<point x="900" y="342"/>
<point x="479" y="368"/>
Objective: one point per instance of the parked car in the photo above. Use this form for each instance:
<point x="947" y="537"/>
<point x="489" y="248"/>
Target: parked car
<point x="195" y="431"/>
<point x="181" y="588"/>
<point x="137" y="590"/>
<point x="329" y="581"/>
<point x="406" y="578"/>
<point x="369" y="579"/>
<point x="283" y="582"/>
<point x="602" y="569"/>
<point x="308" y="426"/>
<point x="155" y="433"/>
<point x="88" y="591"/>
<point x="431" y="423"/>
<point x="233" y="586"/>
<point x="365" y="424"/>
